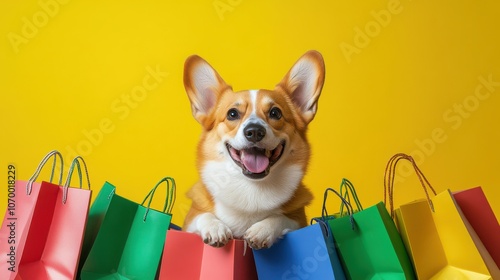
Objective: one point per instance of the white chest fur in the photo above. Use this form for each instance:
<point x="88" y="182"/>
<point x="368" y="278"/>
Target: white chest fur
<point x="241" y="202"/>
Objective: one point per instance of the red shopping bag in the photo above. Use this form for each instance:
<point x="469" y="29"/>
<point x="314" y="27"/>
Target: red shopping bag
<point x="18" y="216"/>
<point x="186" y="257"/>
<point x="478" y="212"/>
<point x="55" y="233"/>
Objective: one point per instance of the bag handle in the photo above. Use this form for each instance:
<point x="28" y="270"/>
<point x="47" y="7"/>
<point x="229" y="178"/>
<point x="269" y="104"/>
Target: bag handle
<point x="349" y="188"/>
<point x="169" y="200"/>
<point x="324" y="212"/>
<point x="32" y="179"/>
<point x="323" y="225"/>
<point x="390" y="174"/>
<point x="75" y="162"/>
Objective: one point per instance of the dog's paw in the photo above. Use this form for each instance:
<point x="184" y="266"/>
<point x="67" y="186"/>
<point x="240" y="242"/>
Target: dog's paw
<point x="262" y="234"/>
<point x="216" y="233"/>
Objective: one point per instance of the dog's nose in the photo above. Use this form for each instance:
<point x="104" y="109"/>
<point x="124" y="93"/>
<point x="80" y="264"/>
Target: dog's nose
<point x="254" y="132"/>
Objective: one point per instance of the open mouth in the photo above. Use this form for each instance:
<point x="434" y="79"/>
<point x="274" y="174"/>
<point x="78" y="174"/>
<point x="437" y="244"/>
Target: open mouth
<point x="255" y="162"/>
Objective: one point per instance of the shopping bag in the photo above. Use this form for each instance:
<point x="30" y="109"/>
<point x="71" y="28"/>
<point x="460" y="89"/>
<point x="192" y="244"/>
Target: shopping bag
<point x="306" y="253"/>
<point x="55" y="234"/>
<point x="186" y="257"/>
<point x="21" y="202"/>
<point x="438" y="237"/>
<point x="368" y="243"/>
<point x="477" y="210"/>
<point x="97" y="212"/>
<point x="130" y="240"/>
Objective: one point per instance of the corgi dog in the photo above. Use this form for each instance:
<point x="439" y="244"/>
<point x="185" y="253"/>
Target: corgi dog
<point x="253" y="153"/>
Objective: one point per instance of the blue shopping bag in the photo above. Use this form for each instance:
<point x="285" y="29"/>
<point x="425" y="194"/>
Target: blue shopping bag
<point x="306" y="253"/>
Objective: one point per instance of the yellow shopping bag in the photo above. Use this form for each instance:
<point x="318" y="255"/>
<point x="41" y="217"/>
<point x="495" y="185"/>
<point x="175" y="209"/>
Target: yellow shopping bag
<point x="438" y="237"/>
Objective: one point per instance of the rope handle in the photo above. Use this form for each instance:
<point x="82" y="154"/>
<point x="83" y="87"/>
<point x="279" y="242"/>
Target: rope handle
<point x="324" y="212"/>
<point x="170" y="197"/>
<point x="32" y="179"/>
<point x="390" y="174"/>
<point x="76" y="162"/>
<point x="347" y="193"/>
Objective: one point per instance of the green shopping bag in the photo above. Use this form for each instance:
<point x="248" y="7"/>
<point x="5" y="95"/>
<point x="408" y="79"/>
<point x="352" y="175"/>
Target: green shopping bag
<point x="131" y="238"/>
<point x="96" y="215"/>
<point x="368" y="243"/>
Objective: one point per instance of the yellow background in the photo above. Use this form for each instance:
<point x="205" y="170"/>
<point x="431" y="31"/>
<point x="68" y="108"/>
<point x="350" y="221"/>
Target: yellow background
<point x="401" y="77"/>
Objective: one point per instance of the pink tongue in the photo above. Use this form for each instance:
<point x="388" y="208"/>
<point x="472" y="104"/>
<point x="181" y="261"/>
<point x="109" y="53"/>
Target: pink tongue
<point x="254" y="162"/>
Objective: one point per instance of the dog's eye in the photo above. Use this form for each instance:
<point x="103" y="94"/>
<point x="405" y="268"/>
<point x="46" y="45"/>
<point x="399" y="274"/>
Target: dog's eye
<point x="275" y="113"/>
<point x="233" y="114"/>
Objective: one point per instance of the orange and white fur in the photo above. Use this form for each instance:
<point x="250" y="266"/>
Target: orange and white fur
<point x="253" y="153"/>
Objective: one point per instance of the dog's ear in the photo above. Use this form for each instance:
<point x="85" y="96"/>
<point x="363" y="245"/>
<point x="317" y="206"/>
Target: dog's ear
<point x="203" y="86"/>
<point x="304" y="82"/>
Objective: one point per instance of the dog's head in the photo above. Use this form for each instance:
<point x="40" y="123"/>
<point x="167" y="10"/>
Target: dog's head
<point x="257" y="131"/>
